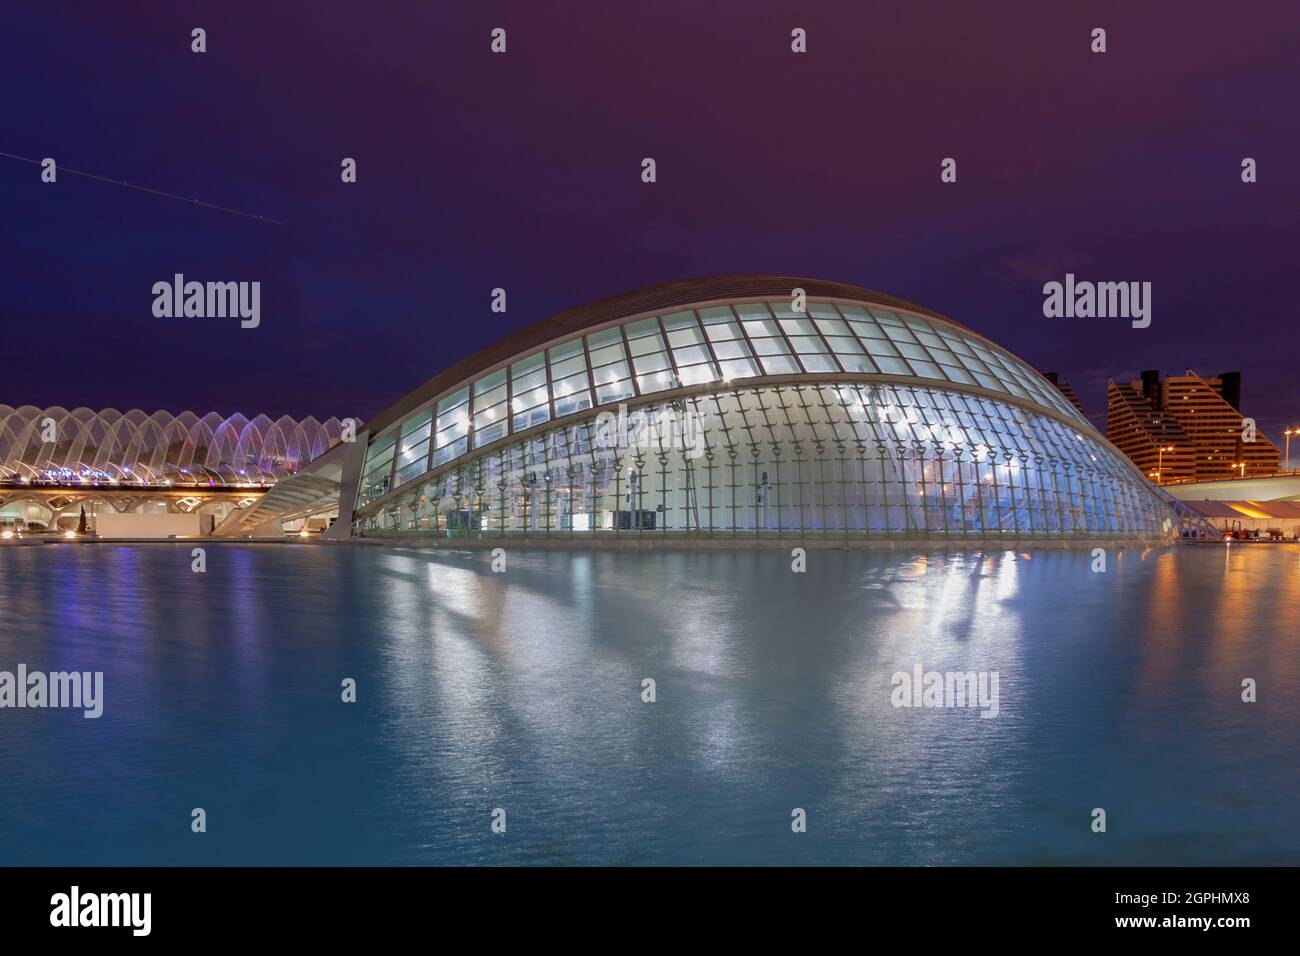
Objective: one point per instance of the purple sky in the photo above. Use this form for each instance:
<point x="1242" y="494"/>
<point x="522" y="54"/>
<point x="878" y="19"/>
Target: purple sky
<point x="523" y="171"/>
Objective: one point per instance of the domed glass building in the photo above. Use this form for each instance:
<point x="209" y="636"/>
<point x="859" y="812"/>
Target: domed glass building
<point x="752" y="407"/>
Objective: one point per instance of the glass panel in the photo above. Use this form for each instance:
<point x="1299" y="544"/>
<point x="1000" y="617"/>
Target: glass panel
<point x="731" y="350"/>
<point x="645" y="345"/>
<point x="959" y="375"/>
<point x="832" y="327"/>
<point x="760" y="328"/>
<point x="567" y="367"/>
<point x="716" y="314"/>
<point x="558" y="353"/>
<point x="853" y="313"/>
<point x="491" y="429"/>
<point x="856" y="363"/>
<point x="806" y="344"/>
<point x="650" y="363"/>
<point x="610" y="374"/>
<point x="739" y="368"/>
<point x="679" y="320"/>
<point x="680" y="337"/>
<point x="454" y="400"/>
<point x="798" y="327"/>
<point x="452" y="427"/>
<point x="771" y="347"/>
<point x="636" y="330"/>
<point x="753" y="310"/>
<point x="448" y="452"/>
<point x="818" y="363"/>
<point x="607" y="354"/>
<point x="779" y="365"/>
<point x="691" y="355"/>
<point x="656" y="382"/>
<point x="880" y="347"/>
<point x="614" y="391"/>
<point x="697" y="374"/>
<point x="869" y="330"/>
<point x="892" y="366"/>
<point x="723" y="332"/>
<point x="572" y="394"/>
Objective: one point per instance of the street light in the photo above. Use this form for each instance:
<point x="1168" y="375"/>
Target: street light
<point x="1160" y="463"/>
<point x="1242" y="466"/>
<point x="1288" y="433"/>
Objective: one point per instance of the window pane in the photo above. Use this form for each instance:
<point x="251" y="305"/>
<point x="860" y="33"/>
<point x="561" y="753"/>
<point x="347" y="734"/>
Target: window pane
<point x="611" y="373"/>
<point x="454" y="400"/>
<point x="650" y="363"/>
<point x="723" y="331"/>
<point x="601" y="339"/>
<point x="716" y="314"/>
<point x="779" y="365"/>
<point x="645" y="345"/>
<point x="760" y="328"/>
<point x="636" y="330"/>
<point x="567" y="367"/>
<point x="771" y="347"/>
<point x="680" y="337"/>
<point x="559" y="353"/>
<point x="805" y="344"/>
<point x="691" y="355"/>
<point x="697" y="374"/>
<point x="490" y="431"/>
<point x="739" y="368"/>
<point x="448" y="452"/>
<point x="819" y="363"/>
<point x="656" y="382"/>
<point x="731" y="350"/>
<point x="614" y="391"/>
<point x="856" y="363"/>
<point x="607" y="354"/>
<point x="798" y="327"/>
<point x="680" y="320"/>
<point x="892" y="366"/>
<point x="753" y="310"/>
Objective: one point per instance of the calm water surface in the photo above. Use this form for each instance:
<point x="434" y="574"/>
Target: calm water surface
<point x="523" y="691"/>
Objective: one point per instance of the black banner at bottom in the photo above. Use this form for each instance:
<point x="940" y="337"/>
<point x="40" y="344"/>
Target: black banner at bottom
<point x="341" y="905"/>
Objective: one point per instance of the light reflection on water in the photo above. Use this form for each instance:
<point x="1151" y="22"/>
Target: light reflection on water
<point x="523" y="690"/>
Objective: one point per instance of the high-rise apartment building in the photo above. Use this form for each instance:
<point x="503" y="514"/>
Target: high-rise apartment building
<point x="1186" y="428"/>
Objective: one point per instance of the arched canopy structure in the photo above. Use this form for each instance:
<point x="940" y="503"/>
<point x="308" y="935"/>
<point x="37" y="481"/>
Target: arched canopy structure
<point x="745" y="405"/>
<point x="82" y="445"/>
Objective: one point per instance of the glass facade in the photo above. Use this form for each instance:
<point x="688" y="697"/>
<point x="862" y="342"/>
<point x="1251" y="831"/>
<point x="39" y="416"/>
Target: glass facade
<point x="747" y="417"/>
<point x="864" y="459"/>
